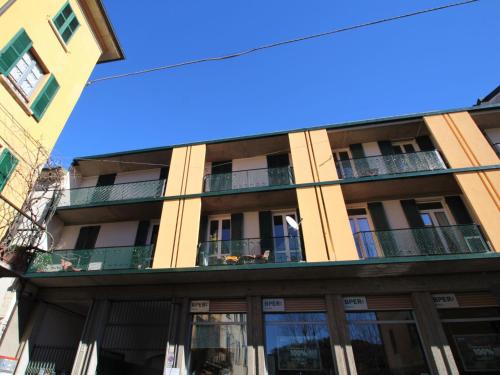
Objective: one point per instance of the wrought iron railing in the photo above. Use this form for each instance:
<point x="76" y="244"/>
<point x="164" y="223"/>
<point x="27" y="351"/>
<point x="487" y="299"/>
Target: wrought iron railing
<point x="390" y="164"/>
<point x="251" y="178"/>
<point x="250" y="251"/>
<point x="49" y="360"/>
<point x="99" y="259"/>
<point x="116" y="192"/>
<point x="442" y="240"/>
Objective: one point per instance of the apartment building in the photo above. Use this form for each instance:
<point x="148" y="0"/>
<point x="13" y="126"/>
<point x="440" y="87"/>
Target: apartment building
<point x="358" y="248"/>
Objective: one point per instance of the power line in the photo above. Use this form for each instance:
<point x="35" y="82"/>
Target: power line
<point x="277" y="44"/>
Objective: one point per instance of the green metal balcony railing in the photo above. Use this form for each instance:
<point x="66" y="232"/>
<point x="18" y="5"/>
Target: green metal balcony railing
<point x="390" y="164"/>
<point x="99" y="259"/>
<point x="250" y="251"/>
<point x="109" y="193"/>
<point x="443" y="240"/>
<point x="49" y="360"/>
<point x="251" y="178"/>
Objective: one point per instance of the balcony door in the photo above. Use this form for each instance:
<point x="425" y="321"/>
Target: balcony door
<point x="433" y="215"/>
<point x="362" y="232"/>
<point x="219" y="237"/>
<point x="286" y="238"/>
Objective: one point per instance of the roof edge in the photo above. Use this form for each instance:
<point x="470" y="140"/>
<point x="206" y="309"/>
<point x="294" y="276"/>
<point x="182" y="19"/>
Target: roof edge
<point x="341" y="125"/>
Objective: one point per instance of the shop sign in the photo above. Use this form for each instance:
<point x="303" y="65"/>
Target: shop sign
<point x="445" y="300"/>
<point x="298" y="353"/>
<point x="355" y="303"/>
<point x="273" y="304"/>
<point x="479" y="352"/>
<point x="7" y="365"/>
<point x="200" y="306"/>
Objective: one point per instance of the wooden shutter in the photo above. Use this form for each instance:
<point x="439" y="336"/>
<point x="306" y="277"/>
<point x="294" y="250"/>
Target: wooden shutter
<point x="458" y="210"/>
<point x="141" y="236"/>
<point x="476" y="299"/>
<point x="266" y="230"/>
<point x="164" y="173"/>
<point x="377" y="213"/>
<point x="389" y="302"/>
<point x="154" y="234"/>
<point x="411" y="212"/>
<point x="203" y="228"/>
<point x="87" y="237"/>
<point x="44" y="98"/>
<point x="236" y="226"/>
<point x="357" y="150"/>
<point x="13" y="51"/>
<point x="425" y="143"/>
<point x="8" y="163"/>
<point x="385" y="147"/>
<point x="222" y="167"/>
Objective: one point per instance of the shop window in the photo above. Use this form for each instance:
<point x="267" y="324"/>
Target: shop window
<point x="298" y="343"/>
<point x="218" y="344"/>
<point x="386" y="342"/>
<point x="474" y="338"/>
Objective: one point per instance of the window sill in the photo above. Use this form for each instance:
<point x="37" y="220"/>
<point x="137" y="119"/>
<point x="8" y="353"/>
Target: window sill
<point x="59" y="38"/>
<point x="25" y="106"/>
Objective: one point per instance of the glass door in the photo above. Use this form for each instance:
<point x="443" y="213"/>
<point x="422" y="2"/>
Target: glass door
<point x="219" y="238"/>
<point x="286" y="239"/>
<point x="363" y="237"/>
<point x="441" y="238"/>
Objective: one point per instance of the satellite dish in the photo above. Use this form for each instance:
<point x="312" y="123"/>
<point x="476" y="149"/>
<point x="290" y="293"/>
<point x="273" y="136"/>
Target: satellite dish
<point x="292" y="222"/>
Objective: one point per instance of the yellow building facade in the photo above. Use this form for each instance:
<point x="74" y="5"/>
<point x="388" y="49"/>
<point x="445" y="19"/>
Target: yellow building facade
<point x="48" y="50"/>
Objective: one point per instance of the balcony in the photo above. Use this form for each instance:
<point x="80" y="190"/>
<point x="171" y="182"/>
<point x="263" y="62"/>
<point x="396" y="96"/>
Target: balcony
<point x="250" y="251"/>
<point x="88" y="196"/>
<point x="100" y="259"/>
<point x="444" y="240"/>
<point x="252" y="178"/>
<point x="390" y="164"/>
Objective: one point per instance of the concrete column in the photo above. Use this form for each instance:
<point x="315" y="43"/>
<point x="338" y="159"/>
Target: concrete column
<point x="463" y="145"/>
<point x="343" y="355"/>
<point x="23" y="352"/>
<point x="183" y="325"/>
<point x="436" y="347"/>
<point x="177" y="244"/>
<point x="88" y="350"/>
<point x="325" y="224"/>
<point x="252" y="321"/>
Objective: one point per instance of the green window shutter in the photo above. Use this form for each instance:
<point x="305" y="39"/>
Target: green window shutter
<point x="8" y="163"/>
<point x="13" y="51"/>
<point x="66" y="22"/>
<point x="266" y="230"/>
<point x="237" y="226"/>
<point x="357" y="151"/>
<point x="412" y="214"/>
<point x="458" y="210"/>
<point x="425" y="143"/>
<point x="385" y="147"/>
<point x="44" y="98"/>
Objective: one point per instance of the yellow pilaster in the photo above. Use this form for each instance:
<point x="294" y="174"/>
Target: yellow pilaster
<point x="325" y="224"/>
<point x="180" y="219"/>
<point x="463" y="145"/>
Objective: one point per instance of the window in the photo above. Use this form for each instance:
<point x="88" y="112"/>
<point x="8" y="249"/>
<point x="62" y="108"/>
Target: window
<point x="8" y="163"/>
<point x="219" y="344"/>
<point x="24" y="73"/>
<point x="298" y="343"/>
<point x="363" y="235"/>
<point x="405" y="147"/>
<point x="66" y="22"/>
<point x="474" y="337"/>
<point x="286" y="238"/>
<point x="386" y="342"/>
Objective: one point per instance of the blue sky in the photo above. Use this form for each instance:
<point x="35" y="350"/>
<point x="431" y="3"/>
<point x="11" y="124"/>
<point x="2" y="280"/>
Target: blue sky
<point x="436" y="61"/>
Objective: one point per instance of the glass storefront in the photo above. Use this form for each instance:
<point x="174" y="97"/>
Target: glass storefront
<point x="298" y="343"/>
<point x="386" y="342"/>
<point x="218" y="344"/>
<point x="474" y="338"/>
